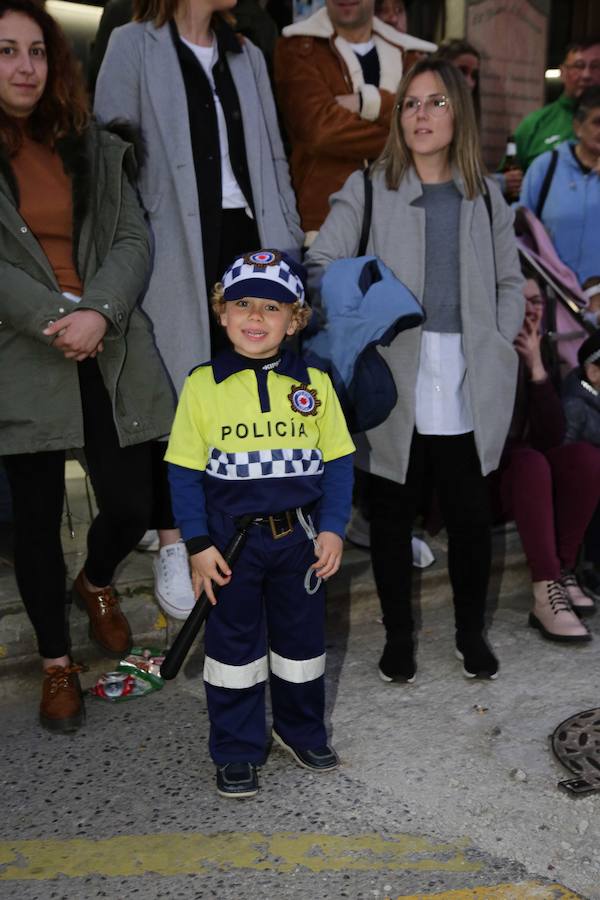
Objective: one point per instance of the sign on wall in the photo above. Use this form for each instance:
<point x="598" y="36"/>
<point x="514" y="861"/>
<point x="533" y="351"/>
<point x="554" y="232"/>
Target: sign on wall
<point x="512" y="36"/>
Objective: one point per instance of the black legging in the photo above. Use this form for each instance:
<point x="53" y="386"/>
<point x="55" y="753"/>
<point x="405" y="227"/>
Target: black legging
<point x="451" y="464"/>
<point x="121" y="478"/>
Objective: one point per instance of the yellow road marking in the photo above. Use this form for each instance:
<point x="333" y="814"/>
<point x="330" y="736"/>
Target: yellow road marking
<point x="181" y="854"/>
<point x="530" y="890"/>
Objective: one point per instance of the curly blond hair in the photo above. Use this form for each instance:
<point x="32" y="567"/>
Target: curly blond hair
<point x="300" y="312"/>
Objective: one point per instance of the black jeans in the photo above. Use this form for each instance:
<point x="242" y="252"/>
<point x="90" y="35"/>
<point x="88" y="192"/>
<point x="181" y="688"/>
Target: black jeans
<point x="451" y="465"/>
<point x="122" y="482"/>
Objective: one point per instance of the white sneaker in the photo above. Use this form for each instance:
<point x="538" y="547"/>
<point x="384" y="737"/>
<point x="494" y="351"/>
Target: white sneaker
<point x="149" y="542"/>
<point x="421" y="553"/>
<point x="357" y="531"/>
<point x="172" y="581"/>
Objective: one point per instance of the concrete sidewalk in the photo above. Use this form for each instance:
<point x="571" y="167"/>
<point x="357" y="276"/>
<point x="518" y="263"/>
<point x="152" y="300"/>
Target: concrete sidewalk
<point x="447" y="788"/>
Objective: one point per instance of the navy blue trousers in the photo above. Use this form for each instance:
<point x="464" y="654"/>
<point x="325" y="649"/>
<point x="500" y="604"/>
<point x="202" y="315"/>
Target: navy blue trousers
<point x="265" y="626"/>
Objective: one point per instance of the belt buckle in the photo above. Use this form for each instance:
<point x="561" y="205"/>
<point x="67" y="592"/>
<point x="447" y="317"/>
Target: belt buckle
<point x="285" y="531"/>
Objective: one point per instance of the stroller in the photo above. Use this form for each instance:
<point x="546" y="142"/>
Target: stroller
<point x="565" y="328"/>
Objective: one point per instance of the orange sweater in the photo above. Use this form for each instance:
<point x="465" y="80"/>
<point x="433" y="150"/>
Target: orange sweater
<point x="46" y="205"/>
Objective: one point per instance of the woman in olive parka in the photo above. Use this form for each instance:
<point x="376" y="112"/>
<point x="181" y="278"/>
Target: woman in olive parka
<point x="78" y="365"/>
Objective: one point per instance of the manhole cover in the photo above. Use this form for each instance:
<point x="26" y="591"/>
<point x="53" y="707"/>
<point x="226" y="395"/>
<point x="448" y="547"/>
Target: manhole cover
<point x="576" y="744"/>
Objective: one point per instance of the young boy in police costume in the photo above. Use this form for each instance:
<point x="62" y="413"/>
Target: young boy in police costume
<point x="258" y="432"/>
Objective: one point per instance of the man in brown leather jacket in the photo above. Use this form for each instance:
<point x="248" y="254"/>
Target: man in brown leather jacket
<point x="336" y="74"/>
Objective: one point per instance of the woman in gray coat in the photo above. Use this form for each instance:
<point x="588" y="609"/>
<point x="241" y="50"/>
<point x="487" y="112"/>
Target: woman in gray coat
<point x="214" y="182"/>
<point x="78" y="365"/>
<point x="447" y="234"/>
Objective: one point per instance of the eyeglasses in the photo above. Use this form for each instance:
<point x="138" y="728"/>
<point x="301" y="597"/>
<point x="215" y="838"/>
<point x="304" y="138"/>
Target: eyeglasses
<point x="581" y="66"/>
<point x="435" y="105"/>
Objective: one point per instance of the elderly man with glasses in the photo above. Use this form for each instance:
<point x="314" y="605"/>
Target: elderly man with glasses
<point x="549" y="126"/>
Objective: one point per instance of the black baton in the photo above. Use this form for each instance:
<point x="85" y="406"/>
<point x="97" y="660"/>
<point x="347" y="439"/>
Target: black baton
<point x="189" y="630"/>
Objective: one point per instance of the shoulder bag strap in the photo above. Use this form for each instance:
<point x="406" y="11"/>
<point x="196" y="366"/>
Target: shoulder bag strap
<point x="546" y="184"/>
<point x="488" y="205"/>
<point x="367" y="213"/>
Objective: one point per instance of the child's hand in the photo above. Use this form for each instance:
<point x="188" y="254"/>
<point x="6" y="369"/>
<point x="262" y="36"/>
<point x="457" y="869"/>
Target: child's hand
<point x="329" y="554"/>
<point x="208" y="566"/>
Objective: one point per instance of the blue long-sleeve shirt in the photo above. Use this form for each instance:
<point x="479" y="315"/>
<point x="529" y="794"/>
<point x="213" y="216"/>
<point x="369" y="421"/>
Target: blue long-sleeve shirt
<point x="259" y="437"/>
<point x="571" y="213"/>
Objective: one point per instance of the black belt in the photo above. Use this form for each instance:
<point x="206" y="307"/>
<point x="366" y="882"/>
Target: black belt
<point x="281" y="523"/>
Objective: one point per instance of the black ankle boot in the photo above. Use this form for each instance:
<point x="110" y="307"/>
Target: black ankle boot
<point x="397" y="661"/>
<point x="476" y="655"/>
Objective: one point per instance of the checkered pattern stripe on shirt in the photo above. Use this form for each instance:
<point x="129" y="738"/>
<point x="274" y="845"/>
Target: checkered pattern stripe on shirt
<point x="284" y="463"/>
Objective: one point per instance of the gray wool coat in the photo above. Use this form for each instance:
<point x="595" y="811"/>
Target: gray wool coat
<point x="492" y="308"/>
<point x="140" y="81"/>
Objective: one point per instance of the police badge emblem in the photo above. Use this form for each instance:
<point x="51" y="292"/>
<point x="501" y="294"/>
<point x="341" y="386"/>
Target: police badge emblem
<point x="263" y="258"/>
<point x="304" y="400"/>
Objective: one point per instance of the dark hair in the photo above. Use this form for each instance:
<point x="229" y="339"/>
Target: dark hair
<point x="159" y="12"/>
<point x="589" y="100"/>
<point x="63" y="107"/>
<point x="584" y="44"/>
<point x="451" y="50"/>
<point x="456" y="47"/>
<point x="379" y="4"/>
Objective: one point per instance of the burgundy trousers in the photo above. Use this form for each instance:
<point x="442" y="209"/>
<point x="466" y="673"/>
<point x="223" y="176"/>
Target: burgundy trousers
<point x="551" y="496"/>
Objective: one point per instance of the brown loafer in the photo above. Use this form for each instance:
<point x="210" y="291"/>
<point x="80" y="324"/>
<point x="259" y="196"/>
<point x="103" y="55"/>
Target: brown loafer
<point x="61" y="709"/>
<point x="109" y="628"/>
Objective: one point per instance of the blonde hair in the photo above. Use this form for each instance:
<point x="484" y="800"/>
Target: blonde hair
<point x="465" y="151"/>
<point x="300" y="312"/>
<point x="162" y="11"/>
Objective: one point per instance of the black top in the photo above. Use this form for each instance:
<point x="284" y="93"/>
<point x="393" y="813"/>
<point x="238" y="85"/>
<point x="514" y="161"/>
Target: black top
<point x="204" y="134"/>
<point x="369" y="63"/>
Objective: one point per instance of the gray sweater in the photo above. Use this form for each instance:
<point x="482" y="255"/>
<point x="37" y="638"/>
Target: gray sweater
<point x="441" y="292"/>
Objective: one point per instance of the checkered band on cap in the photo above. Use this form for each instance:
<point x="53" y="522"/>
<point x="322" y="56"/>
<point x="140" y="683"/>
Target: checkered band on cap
<point x="268" y="274"/>
<point x="592" y="358"/>
<point x="589" y="352"/>
<point x="283" y="463"/>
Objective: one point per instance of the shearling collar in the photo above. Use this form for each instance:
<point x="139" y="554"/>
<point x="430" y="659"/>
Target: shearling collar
<point x="390" y="45"/>
<point x="319" y="25"/>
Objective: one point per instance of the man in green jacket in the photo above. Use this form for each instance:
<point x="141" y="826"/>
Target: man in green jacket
<point x="549" y="126"/>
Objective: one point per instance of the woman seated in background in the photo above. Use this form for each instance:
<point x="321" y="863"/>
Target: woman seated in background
<point x="78" y="366"/>
<point x="549" y="488"/>
<point x="562" y="188"/>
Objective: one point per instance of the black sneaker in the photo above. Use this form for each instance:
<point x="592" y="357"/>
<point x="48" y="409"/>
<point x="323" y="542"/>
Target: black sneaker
<point x="323" y="759"/>
<point x="397" y="662"/>
<point x="237" y="780"/>
<point x="476" y="655"/>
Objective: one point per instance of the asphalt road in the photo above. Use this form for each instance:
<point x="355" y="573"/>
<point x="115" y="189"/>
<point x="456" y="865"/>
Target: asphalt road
<point x="447" y="787"/>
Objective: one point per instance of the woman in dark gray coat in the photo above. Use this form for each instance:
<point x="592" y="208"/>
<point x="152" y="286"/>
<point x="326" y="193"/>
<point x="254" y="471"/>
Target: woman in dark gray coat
<point x="456" y="376"/>
<point x="78" y="365"/>
<point x="215" y="184"/>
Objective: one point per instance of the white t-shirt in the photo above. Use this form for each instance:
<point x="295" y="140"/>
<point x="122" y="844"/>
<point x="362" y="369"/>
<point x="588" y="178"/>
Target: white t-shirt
<point x="364" y="48"/>
<point x="442" y="395"/>
<point x="232" y="195"/>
